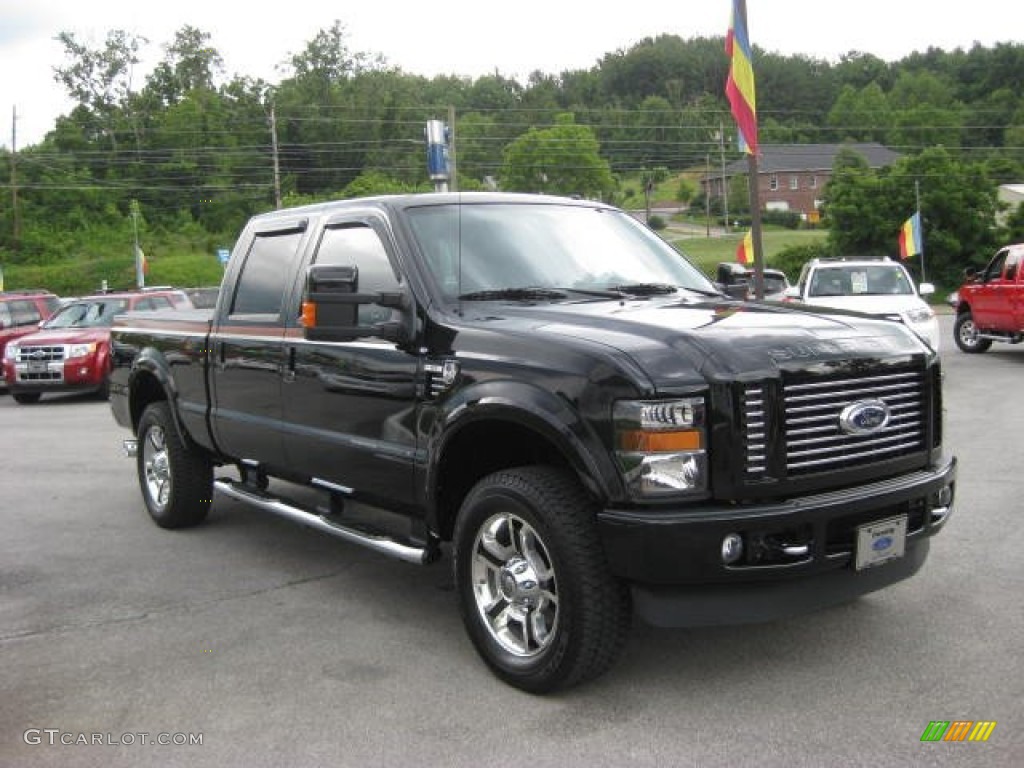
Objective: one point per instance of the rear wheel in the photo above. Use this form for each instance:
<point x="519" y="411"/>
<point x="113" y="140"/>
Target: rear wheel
<point x="534" y="589"/>
<point x="965" y="332"/>
<point x="176" y="478"/>
<point x="26" y="398"/>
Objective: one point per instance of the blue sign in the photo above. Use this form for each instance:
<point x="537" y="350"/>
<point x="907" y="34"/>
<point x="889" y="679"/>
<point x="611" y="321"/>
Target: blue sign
<point x="223" y="254"/>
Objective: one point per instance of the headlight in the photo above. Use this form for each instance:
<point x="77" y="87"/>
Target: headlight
<point x="11" y="352"/>
<point x="661" y="446"/>
<point x="921" y="315"/>
<point x="81" y="350"/>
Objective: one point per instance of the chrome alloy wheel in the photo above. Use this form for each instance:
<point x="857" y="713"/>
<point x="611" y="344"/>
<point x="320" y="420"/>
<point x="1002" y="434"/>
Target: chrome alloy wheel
<point x="968" y="333"/>
<point x="157" y="466"/>
<point x="514" y="585"/>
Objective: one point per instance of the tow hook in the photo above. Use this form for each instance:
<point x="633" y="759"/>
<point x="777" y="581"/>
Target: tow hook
<point x="130" y="447"/>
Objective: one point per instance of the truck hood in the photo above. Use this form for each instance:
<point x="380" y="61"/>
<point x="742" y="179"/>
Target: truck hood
<point x="681" y="342"/>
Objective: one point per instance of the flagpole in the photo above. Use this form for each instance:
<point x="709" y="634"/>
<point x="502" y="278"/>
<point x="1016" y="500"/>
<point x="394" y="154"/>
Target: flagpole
<point x="917" y="198"/>
<point x="755" y="226"/>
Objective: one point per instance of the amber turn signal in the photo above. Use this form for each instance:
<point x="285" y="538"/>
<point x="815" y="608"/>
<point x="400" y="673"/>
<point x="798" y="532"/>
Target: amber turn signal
<point x="659" y="442"/>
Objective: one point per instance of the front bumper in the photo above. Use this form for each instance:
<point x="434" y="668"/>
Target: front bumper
<point x="799" y="554"/>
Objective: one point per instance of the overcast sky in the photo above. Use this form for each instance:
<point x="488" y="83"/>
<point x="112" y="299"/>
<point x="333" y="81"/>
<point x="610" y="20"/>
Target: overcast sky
<point x="462" y="37"/>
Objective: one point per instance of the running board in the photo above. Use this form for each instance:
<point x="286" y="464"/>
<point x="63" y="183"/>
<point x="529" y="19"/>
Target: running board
<point x="382" y="544"/>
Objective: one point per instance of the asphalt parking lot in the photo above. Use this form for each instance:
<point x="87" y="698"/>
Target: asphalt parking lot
<point x="277" y="646"/>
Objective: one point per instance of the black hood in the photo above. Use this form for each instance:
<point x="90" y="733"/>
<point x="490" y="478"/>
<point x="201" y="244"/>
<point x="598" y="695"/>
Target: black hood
<point x="682" y="342"/>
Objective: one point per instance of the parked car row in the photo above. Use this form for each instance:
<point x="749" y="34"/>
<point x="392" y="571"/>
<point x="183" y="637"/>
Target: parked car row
<point x="50" y="346"/>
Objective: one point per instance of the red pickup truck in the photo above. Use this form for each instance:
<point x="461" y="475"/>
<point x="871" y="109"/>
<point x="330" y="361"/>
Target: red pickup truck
<point x="990" y="303"/>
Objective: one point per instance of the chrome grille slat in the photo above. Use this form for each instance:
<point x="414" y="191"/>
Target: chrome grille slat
<point x="811" y="436"/>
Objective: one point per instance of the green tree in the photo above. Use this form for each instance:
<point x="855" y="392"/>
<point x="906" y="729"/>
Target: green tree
<point x="860" y="115"/>
<point x="100" y="80"/>
<point x="564" y="159"/>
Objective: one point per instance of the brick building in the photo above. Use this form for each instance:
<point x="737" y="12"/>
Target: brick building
<point x="792" y="177"/>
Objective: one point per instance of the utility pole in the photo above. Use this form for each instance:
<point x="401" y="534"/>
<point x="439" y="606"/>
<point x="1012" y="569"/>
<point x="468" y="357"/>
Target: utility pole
<point x="277" y="167"/>
<point x="16" y="240"/>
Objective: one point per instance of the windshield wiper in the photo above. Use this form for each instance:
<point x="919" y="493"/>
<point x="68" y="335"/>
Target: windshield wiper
<point x="644" y="289"/>
<point x="513" y="294"/>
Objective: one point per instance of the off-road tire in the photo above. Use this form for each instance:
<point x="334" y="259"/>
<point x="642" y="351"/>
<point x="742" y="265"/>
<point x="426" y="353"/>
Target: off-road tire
<point x="965" y="333"/>
<point x="526" y="547"/>
<point x="175" y="477"/>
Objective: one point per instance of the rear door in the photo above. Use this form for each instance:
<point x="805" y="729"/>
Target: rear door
<point x="351" y="405"/>
<point x="247" y="356"/>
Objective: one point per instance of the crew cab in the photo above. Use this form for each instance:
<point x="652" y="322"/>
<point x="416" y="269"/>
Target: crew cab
<point x="990" y="303"/>
<point x="549" y="392"/>
<point x="70" y="352"/>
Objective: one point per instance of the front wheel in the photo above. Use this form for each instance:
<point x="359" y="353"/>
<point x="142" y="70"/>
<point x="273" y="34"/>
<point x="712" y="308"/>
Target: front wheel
<point x="965" y="332"/>
<point x="176" y="478"/>
<point x="534" y="589"/>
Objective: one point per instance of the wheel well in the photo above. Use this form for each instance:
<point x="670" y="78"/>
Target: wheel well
<point x="480" y="449"/>
<point x="145" y="390"/>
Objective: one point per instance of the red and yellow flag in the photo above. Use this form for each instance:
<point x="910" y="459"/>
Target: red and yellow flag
<point x="739" y="88"/>
<point x="745" y="250"/>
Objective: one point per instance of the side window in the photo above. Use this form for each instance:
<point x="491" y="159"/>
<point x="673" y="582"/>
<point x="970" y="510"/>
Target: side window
<point x="262" y="281"/>
<point x="24" y="313"/>
<point x="360" y="245"/>
<point x="995" y="267"/>
<point x="773" y="182"/>
<point x="1012" y="266"/>
<point x="794" y="182"/>
<point x="143" y="304"/>
<point x="5" y="317"/>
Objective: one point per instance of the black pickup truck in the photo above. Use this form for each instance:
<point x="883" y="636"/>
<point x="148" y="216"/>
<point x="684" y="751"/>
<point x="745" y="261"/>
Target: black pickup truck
<point x="550" y="393"/>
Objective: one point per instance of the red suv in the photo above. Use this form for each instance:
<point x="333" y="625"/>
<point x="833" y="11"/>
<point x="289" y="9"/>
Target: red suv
<point x="22" y="311"/>
<point x="70" y="352"/>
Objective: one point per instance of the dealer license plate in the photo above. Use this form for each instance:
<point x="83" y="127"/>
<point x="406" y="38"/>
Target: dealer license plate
<point x="37" y="366"/>
<point x="881" y="541"/>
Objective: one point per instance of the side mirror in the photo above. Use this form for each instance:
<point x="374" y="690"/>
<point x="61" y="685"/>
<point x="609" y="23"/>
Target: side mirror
<point x="793" y="293"/>
<point x="331" y="301"/>
<point x="926" y="289"/>
<point x="970" y="273"/>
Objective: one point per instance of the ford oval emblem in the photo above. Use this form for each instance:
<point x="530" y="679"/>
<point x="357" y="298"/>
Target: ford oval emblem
<point x="883" y="542"/>
<point x="864" y="417"/>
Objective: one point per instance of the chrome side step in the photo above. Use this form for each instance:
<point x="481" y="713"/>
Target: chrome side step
<point x="378" y="543"/>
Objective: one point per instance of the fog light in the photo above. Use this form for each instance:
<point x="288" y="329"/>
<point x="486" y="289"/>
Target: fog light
<point x="944" y="496"/>
<point x="732" y="548"/>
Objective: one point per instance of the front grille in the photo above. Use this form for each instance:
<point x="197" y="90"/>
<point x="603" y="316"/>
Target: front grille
<point x="809" y="423"/>
<point x="48" y="354"/>
<point x="41" y="363"/>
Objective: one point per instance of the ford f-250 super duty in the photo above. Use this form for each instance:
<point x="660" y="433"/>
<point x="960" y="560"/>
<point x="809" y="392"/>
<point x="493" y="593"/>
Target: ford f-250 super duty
<point x="549" y="391"/>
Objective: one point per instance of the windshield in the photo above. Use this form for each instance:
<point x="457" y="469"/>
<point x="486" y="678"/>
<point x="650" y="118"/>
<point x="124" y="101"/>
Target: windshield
<point x="495" y="250"/>
<point x="87" y="314"/>
<point x="874" y="280"/>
